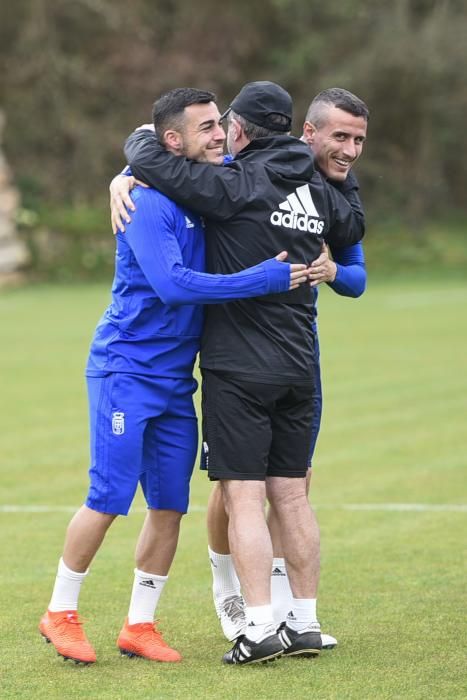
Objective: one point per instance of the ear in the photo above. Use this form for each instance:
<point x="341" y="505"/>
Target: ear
<point x="237" y="129"/>
<point x="309" y="131"/>
<point x="173" y="140"/>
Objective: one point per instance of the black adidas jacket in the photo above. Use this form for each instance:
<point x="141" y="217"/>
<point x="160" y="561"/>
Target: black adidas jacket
<point x="270" y="198"/>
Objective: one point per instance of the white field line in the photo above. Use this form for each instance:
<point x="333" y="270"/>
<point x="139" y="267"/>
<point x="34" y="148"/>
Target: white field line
<point x="381" y="507"/>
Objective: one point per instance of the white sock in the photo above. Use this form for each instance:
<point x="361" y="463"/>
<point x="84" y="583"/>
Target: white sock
<point x="224" y="577"/>
<point x="281" y="594"/>
<point x="66" y="589"/>
<point x="259" y="622"/>
<point x="303" y="614"/>
<point x="145" y="595"/>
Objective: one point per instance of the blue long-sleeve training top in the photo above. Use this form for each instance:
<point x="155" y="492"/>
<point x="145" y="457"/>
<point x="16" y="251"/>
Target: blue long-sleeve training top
<point x="350" y="278"/>
<point x="154" y="322"/>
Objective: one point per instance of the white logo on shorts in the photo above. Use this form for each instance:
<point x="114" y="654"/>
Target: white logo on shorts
<point x="206" y="453"/>
<point x="118" y="423"/>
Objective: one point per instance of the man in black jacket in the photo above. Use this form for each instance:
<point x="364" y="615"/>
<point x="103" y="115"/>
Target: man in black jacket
<point x="257" y="357"/>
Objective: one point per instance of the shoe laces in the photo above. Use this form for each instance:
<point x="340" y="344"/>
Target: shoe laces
<point x="149" y="631"/>
<point x="71" y="618"/>
<point x="75" y="631"/>
<point x="234" y="608"/>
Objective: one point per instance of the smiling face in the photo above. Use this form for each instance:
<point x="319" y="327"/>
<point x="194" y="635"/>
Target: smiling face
<point x="201" y="136"/>
<point x="337" y="141"/>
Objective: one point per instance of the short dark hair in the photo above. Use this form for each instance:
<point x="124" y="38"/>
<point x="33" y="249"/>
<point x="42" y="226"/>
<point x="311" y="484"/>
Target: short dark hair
<point x="167" y="111"/>
<point x="253" y="131"/>
<point x="335" y="97"/>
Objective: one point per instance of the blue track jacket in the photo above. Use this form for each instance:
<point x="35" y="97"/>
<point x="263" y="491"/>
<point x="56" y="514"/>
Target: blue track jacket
<point x="154" y="322"/>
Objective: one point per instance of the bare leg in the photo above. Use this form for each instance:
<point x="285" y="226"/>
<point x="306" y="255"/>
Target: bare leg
<point x="84" y="536"/>
<point x="300" y="533"/>
<point x="275" y="531"/>
<point x="274" y="527"/>
<point x="281" y="593"/>
<point x="158" y="541"/>
<point x="217" y="522"/>
<point x="155" y="551"/>
<point x="250" y="543"/>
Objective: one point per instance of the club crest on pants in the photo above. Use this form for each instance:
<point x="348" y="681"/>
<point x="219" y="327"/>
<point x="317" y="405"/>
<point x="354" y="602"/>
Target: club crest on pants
<point x="118" y="423"/>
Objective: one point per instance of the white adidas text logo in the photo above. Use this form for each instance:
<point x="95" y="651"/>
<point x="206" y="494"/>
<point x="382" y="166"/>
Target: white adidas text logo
<point x="299" y="212"/>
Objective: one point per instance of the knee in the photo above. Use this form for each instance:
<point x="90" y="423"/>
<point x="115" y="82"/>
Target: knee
<point x="243" y="496"/>
<point x="165" y="519"/>
<point x="289" y="494"/>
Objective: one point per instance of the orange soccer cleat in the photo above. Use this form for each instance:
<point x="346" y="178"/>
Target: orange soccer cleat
<point x="144" y="639"/>
<point x="64" y="630"/>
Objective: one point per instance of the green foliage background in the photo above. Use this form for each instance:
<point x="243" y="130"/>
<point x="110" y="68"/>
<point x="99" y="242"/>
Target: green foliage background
<point x="77" y="77"/>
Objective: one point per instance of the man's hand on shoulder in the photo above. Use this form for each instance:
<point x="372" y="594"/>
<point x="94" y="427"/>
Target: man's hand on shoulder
<point x="120" y="200"/>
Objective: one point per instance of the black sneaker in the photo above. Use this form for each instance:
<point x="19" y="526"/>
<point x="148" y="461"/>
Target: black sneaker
<point x="244" y="651"/>
<point x="306" y="643"/>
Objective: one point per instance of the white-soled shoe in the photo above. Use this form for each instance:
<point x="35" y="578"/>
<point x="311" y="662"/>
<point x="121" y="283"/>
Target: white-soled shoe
<point x="328" y="642"/>
<point x="231" y="613"/>
<point x="307" y="642"/>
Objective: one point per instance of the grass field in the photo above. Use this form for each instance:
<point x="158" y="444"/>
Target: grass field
<point x="389" y="487"/>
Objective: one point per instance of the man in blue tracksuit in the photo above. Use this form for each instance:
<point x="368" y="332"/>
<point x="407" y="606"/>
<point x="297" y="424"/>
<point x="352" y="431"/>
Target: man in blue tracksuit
<point x="140" y="385"/>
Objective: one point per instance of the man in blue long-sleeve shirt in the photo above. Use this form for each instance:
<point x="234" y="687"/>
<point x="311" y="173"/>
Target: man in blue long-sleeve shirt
<point x="140" y="385"/>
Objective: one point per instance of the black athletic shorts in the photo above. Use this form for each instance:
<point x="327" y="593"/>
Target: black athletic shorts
<point x="252" y="430"/>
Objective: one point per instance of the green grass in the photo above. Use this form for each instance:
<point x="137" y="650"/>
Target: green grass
<point x="393" y="582"/>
